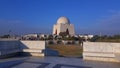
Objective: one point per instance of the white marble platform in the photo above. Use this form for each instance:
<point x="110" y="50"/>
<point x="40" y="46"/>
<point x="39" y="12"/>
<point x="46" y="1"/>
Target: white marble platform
<point x="54" y="62"/>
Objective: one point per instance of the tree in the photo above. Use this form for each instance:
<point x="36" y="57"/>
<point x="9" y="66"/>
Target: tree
<point x="50" y="37"/>
<point x="63" y="34"/>
<point x="95" y="38"/>
<point x="5" y="36"/>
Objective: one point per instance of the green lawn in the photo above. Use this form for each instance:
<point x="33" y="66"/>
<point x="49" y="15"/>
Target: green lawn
<point x="67" y="50"/>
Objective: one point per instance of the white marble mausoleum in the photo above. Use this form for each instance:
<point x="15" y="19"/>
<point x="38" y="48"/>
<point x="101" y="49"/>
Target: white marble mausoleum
<point x="63" y="24"/>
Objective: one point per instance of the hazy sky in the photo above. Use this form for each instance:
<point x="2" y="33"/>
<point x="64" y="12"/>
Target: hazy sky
<point x="38" y="16"/>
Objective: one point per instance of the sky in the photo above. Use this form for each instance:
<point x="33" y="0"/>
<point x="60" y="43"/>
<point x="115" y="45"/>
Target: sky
<point x="39" y="16"/>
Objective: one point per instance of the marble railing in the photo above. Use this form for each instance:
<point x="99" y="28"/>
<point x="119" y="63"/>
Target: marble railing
<point x="34" y="48"/>
<point x="101" y="51"/>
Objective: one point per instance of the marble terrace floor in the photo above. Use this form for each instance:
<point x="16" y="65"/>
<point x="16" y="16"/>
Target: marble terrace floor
<point x="53" y="62"/>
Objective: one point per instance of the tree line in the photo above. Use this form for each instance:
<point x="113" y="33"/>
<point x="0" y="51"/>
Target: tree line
<point x="106" y="38"/>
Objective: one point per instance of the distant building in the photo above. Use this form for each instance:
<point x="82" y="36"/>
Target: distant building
<point x="31" y="35"/>
<point x="90" y="36"/>
<point x="86" y="36"/>
<point x="43" y="35"/>
<point x="35" y="36"/>
<point x="63" y="25"/>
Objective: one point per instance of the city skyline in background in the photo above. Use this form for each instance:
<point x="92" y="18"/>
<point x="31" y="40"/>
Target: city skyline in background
<point x="38" y="16"/>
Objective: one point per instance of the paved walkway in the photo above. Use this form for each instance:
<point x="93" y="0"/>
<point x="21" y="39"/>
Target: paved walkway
<point x="53" y="62"/>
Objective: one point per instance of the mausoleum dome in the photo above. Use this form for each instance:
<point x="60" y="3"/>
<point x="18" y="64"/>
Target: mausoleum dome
<point x="63" y="20"/>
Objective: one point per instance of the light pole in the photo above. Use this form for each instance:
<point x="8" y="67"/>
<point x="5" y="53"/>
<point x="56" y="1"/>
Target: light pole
<point x="10" y="33"/>
<point x="100" y="36"/>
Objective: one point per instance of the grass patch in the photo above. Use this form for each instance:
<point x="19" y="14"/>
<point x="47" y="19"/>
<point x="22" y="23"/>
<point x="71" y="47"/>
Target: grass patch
<point x="67" y="50"/>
